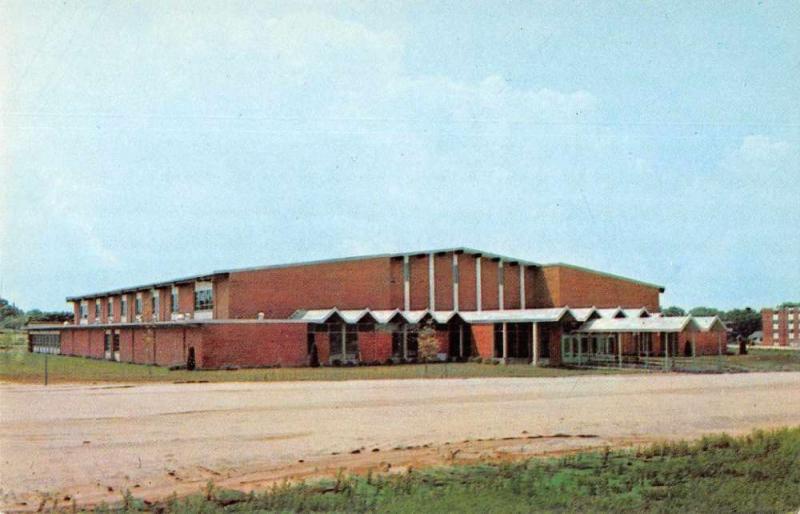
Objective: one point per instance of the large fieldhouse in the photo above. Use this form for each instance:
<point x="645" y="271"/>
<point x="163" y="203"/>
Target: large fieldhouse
<point x="370" y="309"/>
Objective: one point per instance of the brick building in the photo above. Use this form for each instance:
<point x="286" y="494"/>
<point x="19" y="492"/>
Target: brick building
<point x="369" y="310"/>
<point x="781" y="326"/>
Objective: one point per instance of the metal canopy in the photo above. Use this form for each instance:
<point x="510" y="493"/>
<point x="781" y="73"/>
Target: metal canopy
<point x="517" y="315"/>
<point x="653" y="324"/>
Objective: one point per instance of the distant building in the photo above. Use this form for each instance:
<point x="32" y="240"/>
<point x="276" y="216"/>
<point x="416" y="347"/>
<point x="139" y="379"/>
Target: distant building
<point x="781" y="326"/>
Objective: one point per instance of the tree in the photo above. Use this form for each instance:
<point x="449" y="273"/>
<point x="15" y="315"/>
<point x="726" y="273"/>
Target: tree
<point x="427" y="345"/>
<point x="706" y="311"/>
<point x="673" y="311"/>
<point x="742" y="322"/>
<point x="15" y="318"/>
<point x="789" y="304"/>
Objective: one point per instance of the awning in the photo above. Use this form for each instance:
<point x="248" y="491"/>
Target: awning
<point x="616" y="312"/>
<point x="584" y="313"/>
<point x="517" y="315"/>
<point x="710" y="323"/>
<point x="653" y="324"/>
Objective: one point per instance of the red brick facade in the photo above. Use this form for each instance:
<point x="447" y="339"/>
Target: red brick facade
<point x="378" y="283"/>
<point x="781" y="326"/>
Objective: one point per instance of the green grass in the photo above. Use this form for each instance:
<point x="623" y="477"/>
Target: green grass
<point x="13" y="340"/>
<point x="17" y="365"/>
<point x="759" y="360"/>
<point x="20" y="366"/>
<point x="756" y="473"/>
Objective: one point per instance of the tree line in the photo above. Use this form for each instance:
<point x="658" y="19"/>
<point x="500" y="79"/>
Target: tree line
<point x="742" y="322"/>
<point x="12" y="317"/>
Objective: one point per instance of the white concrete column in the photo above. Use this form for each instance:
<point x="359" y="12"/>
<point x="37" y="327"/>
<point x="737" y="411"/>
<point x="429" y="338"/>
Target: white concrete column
<point x="478" y="283"/>
<point x="406" y="283"/>
<point x="431" y="283"/>
<point x="501" y="278"/>
<point x="344" y="342"/>
<point x="456" y="280"/>
<point x="521" y="286"/>
<point x="505" y="343"/>
<point x="535" y="338"/>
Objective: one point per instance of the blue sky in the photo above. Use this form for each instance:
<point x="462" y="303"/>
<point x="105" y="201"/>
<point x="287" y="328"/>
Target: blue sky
<point x="147" y="140"/>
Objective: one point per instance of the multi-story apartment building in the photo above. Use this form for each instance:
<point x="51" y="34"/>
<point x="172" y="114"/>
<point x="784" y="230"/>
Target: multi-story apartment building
<point x="781" y="326"/>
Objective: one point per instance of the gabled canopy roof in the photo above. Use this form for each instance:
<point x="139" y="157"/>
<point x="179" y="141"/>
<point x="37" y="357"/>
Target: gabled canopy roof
<point x="385" y="316"/>
<point x="675" y="324"/>
<point x="710" y="323"/>
<point x="615" y="312"/>
<point x="641" y="312"/>
<point x="442" y="317"/>
<point x="517" y="315"/>
<point x="584" y="313"/>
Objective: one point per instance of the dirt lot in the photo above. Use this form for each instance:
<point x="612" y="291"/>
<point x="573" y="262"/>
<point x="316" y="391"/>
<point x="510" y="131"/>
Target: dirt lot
<point x="91" y="443"/>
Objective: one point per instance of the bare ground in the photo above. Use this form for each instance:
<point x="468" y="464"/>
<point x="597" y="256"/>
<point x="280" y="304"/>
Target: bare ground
<point x="92" y="442"/>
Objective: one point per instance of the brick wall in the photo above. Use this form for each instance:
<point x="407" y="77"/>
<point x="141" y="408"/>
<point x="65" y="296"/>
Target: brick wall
<point x="278" y="292"/>
<point x="466" y="283"/>
<point x="580" y="288"/>
<point x="254" y="345"/>
<point x="511" y="290"/>
<point x="483" y="340"/>
<point x="126" y="342"/>
<point x="222" y="298"/>
<point x="443" y="278"/>
<point x="170" y="346"/>
<point x="419" y="281"/>
<point x="374" y="346"/>
<point x="186" y="297"/>
<point x="489" y="289"/>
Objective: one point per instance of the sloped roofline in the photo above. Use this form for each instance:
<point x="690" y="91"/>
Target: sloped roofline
<point x="217" y="273"/>
<point x="458" y="249"/>
<point x="660" y="288"/>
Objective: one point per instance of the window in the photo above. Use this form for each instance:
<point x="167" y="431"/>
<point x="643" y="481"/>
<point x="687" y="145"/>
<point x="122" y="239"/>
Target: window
<point x="203" y="297"/>
<point x="173" y="300"/>
<point x="138" y="304"/>
<point x="123" y="307"/>
<point x="110" y="308"/>
<point x="97" y="309"/>
<point x="84" y="310"/>
<point x="154" y="303"/>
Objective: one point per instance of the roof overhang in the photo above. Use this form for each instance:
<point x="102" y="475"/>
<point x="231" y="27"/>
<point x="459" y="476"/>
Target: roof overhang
<point x="650" y="324"/>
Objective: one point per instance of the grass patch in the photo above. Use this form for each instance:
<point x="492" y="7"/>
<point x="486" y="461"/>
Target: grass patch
<point x="756" y="473"/>
<point x="27" y="367"/>
<point x="759" y="360"/>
